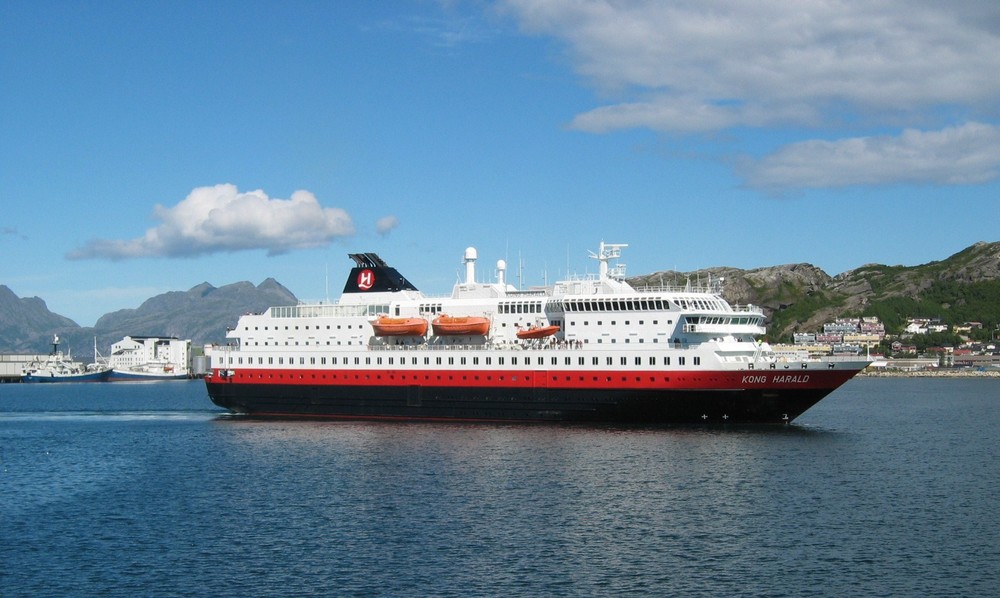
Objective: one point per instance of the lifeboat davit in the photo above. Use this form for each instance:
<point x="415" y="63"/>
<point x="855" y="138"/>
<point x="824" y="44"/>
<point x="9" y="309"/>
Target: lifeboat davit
<point x="461" y="325"/>
<point x="386" y="326"/>
<point x="537" y="332"/>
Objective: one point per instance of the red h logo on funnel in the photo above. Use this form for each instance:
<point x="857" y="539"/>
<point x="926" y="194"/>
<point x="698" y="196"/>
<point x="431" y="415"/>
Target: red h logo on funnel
<point x="366" y="280"/>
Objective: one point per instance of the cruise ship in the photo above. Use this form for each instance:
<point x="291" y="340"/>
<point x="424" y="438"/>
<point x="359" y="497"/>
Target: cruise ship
<point x="587" y="349"/>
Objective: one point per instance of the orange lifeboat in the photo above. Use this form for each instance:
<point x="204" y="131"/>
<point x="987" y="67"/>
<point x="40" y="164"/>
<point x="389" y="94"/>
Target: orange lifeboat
<point x="461" y="325"/>
<point x="386" y="326"/>
<point x="537" y="332"/>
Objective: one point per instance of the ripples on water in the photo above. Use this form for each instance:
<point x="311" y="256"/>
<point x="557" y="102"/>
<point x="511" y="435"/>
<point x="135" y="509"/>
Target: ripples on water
<point x="886" y="488"/>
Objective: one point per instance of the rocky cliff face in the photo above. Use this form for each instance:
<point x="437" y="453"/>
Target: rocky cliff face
<point x="815" y="297"/>
<point x="28" y="320"/>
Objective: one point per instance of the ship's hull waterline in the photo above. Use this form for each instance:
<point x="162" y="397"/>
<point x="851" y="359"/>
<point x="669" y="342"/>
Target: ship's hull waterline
<point x="693" y="401"/>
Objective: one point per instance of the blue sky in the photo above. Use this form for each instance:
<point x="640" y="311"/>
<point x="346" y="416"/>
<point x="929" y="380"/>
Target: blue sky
<point x="147" y="147"/>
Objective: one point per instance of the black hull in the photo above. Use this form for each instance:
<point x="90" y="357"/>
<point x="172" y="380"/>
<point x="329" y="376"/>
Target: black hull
<point x="675" y="406"/>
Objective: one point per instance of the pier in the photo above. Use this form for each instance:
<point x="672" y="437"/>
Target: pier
<point x="11" y="365"/>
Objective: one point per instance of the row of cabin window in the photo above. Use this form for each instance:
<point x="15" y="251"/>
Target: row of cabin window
<point x="702" y="304"/>
<point x="339" y="327"/>
<point x="361" y="342"/>
<point x="615" y="322"/>
<point x="527" y="360"/>
<point x="723" y="320"/>
<point x="616" y="305"/>
<point x="520" y="307"/>
<point x="426" y="308"/>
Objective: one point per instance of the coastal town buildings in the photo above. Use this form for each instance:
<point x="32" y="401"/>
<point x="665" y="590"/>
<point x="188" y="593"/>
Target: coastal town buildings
<point x="854" y="336"/>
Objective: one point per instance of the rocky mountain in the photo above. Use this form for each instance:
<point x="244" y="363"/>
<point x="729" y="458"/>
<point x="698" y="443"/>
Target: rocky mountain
<point x="201" y="314"/>
<point x="794" y="297"/>
<point x="21" y="320"/>
<point x="801" y="297"/>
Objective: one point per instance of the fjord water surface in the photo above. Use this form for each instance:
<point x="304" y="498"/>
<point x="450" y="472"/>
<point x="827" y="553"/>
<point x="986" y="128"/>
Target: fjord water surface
<point x="887" y="487"/>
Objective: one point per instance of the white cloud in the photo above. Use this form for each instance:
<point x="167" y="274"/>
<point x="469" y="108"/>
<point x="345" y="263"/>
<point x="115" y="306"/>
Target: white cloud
<point x="220" y="218"/>
<point x="385" y="225"/>
<point x="685" y="67"/>
<point x="964" y="154"/>
<point x="693" y="65"/>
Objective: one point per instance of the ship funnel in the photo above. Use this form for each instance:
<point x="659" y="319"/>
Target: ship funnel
<point x="501" y="271"/>
<point x="470" y="265"/>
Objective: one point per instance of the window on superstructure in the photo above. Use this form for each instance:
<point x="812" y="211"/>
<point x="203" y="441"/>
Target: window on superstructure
<point x="666" y="361"/>
<point x="680" y="360"/>
<point x="697" y="360"/>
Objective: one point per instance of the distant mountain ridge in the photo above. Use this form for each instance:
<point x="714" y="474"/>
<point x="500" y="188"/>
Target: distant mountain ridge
<point x="22" y="319"/>
<point x="795" y="297"/>
<point x="201" y="314"/>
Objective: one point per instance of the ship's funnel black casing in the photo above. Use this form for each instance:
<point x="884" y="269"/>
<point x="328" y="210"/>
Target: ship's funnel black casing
<point x="373" y="275"/>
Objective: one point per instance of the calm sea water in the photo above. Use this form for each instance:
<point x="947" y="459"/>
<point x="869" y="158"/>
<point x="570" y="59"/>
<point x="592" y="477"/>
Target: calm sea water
<point x="889" y="487"/>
